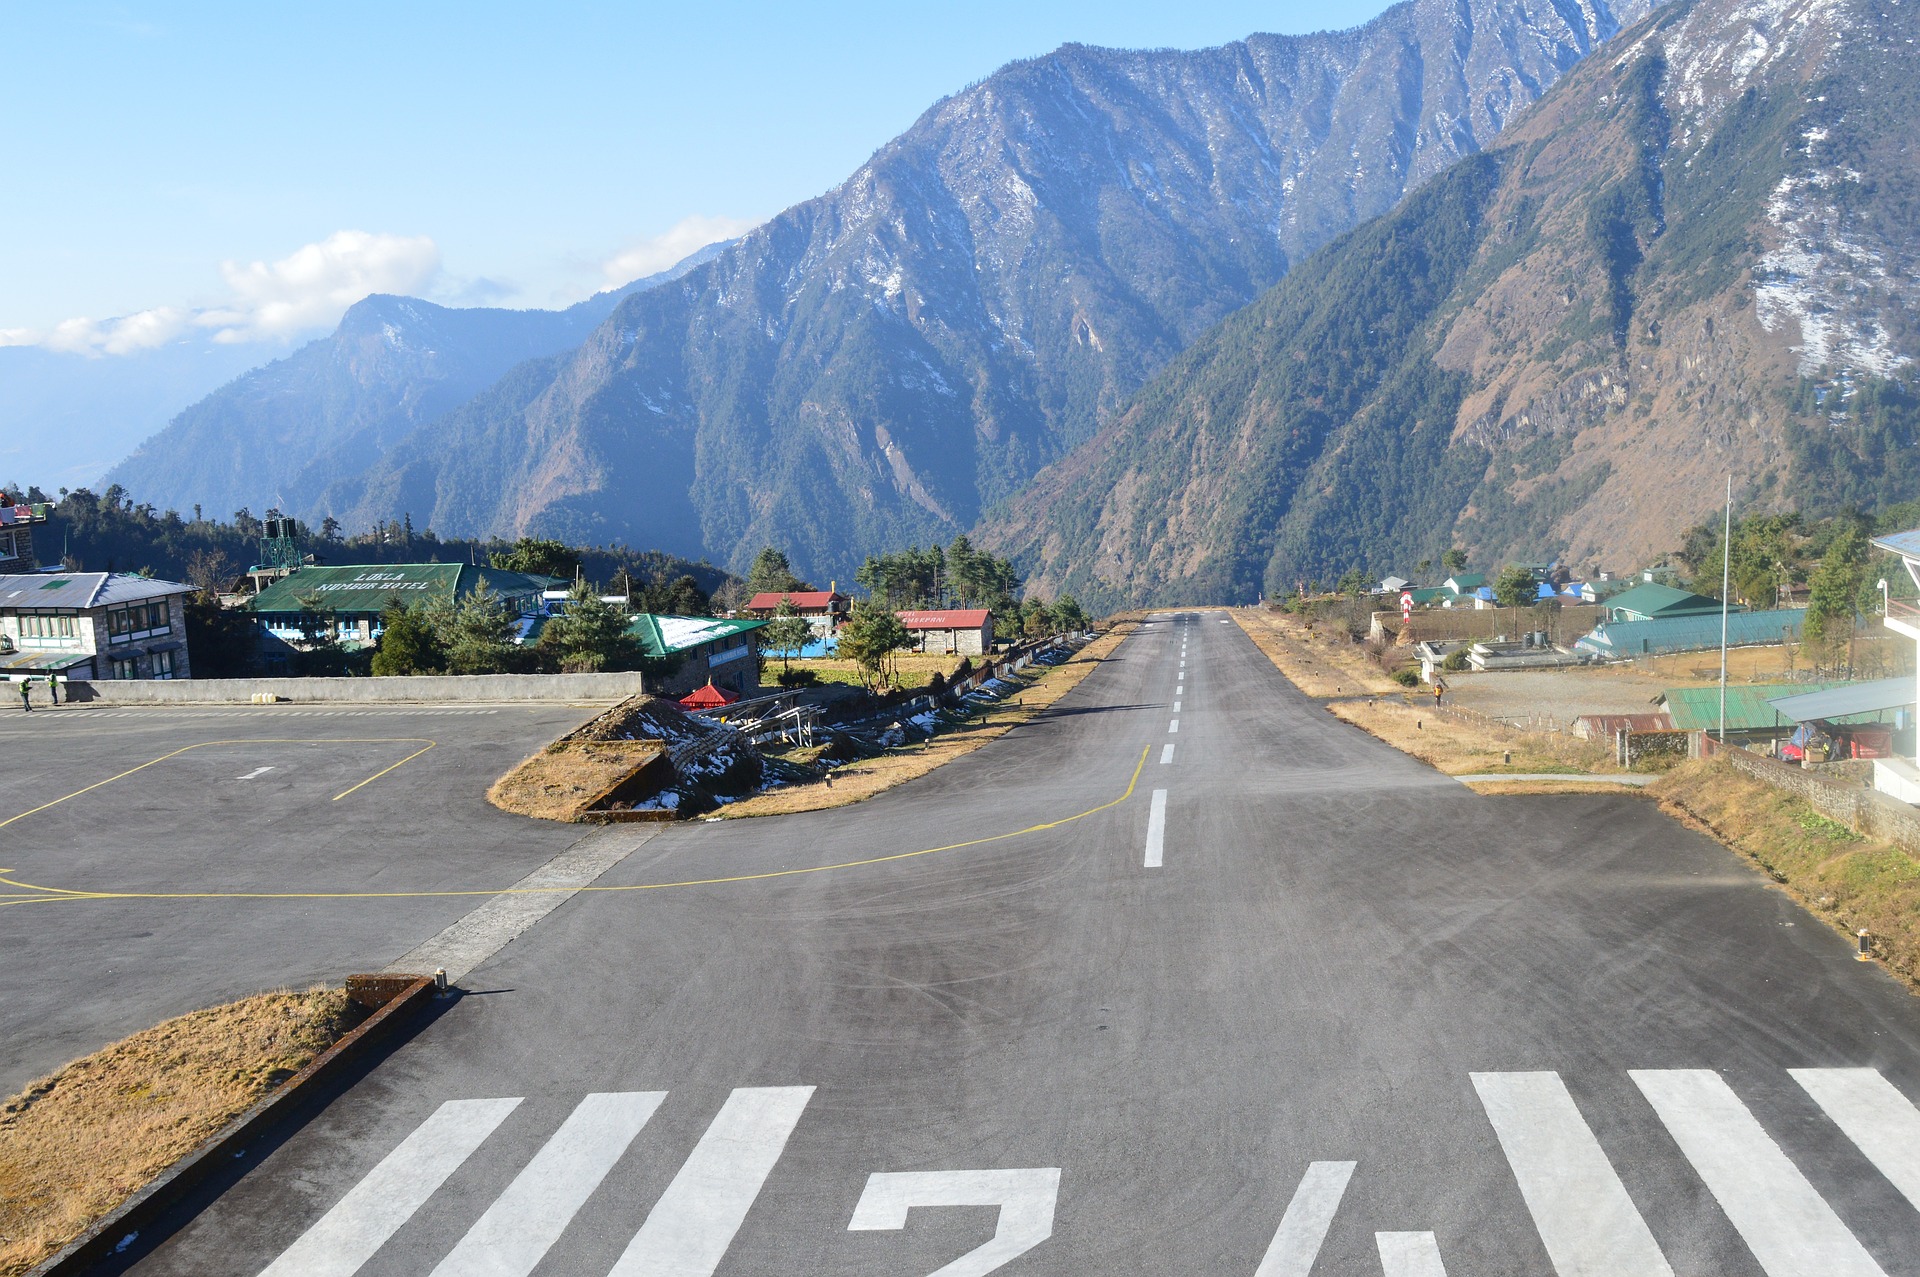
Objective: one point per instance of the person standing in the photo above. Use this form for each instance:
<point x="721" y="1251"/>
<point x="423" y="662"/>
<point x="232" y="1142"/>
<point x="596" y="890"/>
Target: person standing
<point x="26" y="695"/>
<point x="53" y="691"/>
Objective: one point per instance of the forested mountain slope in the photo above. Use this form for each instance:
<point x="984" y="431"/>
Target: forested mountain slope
<point x="279" y="434"/>
<point x="1697" y="255"/>
<point x="877" y="365"/>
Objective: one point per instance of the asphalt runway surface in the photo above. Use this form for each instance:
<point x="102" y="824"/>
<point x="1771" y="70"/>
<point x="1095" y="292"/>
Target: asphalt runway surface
<point x="1187" y="977"/>
<point x="273" y="799"/>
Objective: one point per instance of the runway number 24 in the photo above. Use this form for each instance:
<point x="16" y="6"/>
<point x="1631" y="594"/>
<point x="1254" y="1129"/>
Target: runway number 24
<point x="1025" y="1197"/>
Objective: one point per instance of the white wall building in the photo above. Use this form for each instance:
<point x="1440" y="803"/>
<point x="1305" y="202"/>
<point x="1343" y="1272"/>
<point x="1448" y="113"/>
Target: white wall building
<point x="1900" y="777"/>
<point x="92" y="625"/>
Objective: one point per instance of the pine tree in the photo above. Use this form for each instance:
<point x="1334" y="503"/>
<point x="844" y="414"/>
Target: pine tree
<point x="589" y="635"/>
<point x="407" y="643"/>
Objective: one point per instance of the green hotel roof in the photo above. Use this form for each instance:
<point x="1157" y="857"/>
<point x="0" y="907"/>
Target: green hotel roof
<point x="1654" y="600"/>
<point x="663" y="635"/>
<point x="369" y="587"/>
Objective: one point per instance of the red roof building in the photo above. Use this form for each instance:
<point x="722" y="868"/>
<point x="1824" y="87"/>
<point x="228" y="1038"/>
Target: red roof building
<point x="708" y="697"/>
<point x="826" y="609"/>
<point x="958" y="631"/>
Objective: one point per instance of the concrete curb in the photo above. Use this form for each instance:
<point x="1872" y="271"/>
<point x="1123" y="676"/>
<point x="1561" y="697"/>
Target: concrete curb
<point x="125" y="1222"/>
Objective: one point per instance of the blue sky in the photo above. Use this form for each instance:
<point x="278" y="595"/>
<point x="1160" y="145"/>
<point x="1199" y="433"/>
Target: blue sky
<point x="241" y="169"/>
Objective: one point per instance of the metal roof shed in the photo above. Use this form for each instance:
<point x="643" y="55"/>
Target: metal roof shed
<point x="1750" y="706"/>
<point x="1622" y="640"/>
<point x="1849" y="701"/>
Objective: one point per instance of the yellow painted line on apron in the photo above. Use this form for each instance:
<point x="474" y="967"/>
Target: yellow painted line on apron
<point x="1132" y="782"/>
<point x="246" y="740"/>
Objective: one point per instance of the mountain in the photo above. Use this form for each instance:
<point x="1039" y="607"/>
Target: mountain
<point x="1695" y="257"/>
<point x="879" y="364"/>
<point x="66" y="417"/>
<point x="279" y="435"/>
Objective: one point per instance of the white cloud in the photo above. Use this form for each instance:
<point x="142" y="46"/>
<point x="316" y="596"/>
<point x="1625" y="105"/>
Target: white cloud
<point x="313" y="286"/>
<point x="675" y="244"/>
<point x="308" y="289"/>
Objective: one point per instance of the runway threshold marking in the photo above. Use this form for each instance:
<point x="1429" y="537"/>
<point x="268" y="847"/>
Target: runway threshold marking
<point x="250" y="740"/>
<point x="56" y="894"/>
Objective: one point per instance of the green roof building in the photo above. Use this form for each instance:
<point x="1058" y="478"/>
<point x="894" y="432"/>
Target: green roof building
<point x="358" y="593"/>
<point x="1651" y="601"/>
<point x="711" y="649"/>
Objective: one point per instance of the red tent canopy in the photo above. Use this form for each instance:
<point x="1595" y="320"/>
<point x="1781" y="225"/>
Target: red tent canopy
<point x="708" y="697"/>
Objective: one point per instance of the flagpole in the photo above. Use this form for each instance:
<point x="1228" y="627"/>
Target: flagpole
<point x="1726" y="572"/>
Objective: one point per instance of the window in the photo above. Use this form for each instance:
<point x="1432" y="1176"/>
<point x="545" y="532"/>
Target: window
<point x="124" y="623"/>
<point x="162" y="664"/>
<point x="7" y="550"/>
<point x="44" y="625"/>
<point x="123" y="667"/>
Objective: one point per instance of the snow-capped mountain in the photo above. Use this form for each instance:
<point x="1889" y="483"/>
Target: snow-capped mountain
<point x="1696" y="256"/>
<point x="882" y="362"/>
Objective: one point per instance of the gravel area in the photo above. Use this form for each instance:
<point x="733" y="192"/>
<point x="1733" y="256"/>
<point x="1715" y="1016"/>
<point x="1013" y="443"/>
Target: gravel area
<point x="1561" y="695"/>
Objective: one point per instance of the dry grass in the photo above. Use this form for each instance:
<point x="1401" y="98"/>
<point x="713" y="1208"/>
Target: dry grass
<point x="1844" y="879"/>
<point x="871" y="776"/>
<point x="1460" y="749"/>
<point x="910" y="669"/>
<point x="1320" y="659"/>
<point x="76" y="1144"/>
<point x="558" y="782"/>
<point x="1874" y="657"/>
<point x="1497" y="787"/>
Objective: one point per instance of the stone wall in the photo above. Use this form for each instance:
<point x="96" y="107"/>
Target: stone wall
<point x="471" y="688"/>
<point x="1854" y="805"/>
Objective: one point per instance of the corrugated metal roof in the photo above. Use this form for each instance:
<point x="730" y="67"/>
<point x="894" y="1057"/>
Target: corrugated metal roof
<point x="1749" y="705"/>
<point x="1693" y="633"/>
<point x="81" y="590"/>
<point x="1849" y="700"/>
<point x="368" y="587"/>
<point x="966" y="618"/>
<point x="40" y="662"/>
<point x="800" y="598"/>
<point x="1656" y="601"/>
<point x="1902" y="543"/>
<point x="663" y="635"/>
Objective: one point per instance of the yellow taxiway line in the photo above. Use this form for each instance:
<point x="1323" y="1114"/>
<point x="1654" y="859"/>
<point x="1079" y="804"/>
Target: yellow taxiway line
<point x="53" y="894"/>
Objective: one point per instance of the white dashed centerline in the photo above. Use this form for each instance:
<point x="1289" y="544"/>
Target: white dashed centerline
<point x="1156" y="828"/>
<point x="256" y="772"/>
<point x="1166" y="753"/>
<point x="1176" y="707"/>
<point x="1173" y="727"/>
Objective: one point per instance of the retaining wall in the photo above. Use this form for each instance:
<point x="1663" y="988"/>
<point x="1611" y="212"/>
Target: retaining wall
<point x="359" y="691"/>
<point x="1861" y="809"/>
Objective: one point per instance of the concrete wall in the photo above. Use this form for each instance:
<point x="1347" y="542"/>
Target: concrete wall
<point x="360" y="691"/>
<point x="1854" y="805"/>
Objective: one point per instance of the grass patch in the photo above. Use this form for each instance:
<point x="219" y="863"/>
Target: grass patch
<point x="870" y="776"/>
<point x="77" y="1143"/>
<point x="910" y="669"/>
<point x="1461" y="749"/>
<point x="1320" y="660"/>
<point x="1847" y="880"/>
<point x="558" y="782"/>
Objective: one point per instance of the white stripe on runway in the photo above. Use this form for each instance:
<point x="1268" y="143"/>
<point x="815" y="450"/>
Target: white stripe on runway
<point x="387" y="1196"/>
<point x="525" y="1221"/>
<point x="255" y="773"/>
<point x="1788" y="1226"/>
<point x="1156" y="828"/>
<point x="1880" y="1121"/>
<point x="690" y="1228"/>
<point x="1166" y="753"/>
<point x="1176" y="707"/>
<point x="1296" y="1243"/>
<point x="1180" y="689"/>
<point x="1582" y="1211"/>
<point x="1409" y="1255"/>
<point x="1173" y="727"/>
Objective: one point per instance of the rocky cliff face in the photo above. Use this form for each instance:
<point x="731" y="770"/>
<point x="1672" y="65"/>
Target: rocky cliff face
<point x="882" y="363"/>
<point x="1695" y="256"/>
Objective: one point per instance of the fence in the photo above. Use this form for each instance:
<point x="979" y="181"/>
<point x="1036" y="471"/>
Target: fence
<point x="1860" y="808"/>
